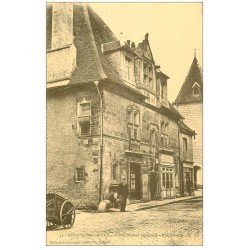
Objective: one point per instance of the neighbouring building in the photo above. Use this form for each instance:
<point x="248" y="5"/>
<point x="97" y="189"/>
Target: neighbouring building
<point x="108" y="114"/>
<point x="189" y="103"/>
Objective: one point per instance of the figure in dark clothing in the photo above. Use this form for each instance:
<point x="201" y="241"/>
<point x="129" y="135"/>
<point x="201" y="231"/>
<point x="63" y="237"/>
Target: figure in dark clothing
<point x="113" y="198"/>
<point x="123" y="193"/>
<point x="189" y="186"/>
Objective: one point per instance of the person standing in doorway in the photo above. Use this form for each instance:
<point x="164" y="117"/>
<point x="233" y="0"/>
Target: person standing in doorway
<point x="123" y="193"/>
<point x="189" y="186"/>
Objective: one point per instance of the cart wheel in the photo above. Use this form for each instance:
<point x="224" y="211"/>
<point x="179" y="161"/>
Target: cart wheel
<point x="67" y="214"/>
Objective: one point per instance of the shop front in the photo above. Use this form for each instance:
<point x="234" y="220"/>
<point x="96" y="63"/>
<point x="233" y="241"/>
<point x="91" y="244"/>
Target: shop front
<point x="167" y="176"/>
<point x="188" y="174"/>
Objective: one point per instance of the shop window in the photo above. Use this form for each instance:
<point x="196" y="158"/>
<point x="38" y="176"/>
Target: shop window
<point x="164" y="180"/>
<point x="79" y="174"/>
<point x="167" y="178"/>
<point x="132" y="181"/>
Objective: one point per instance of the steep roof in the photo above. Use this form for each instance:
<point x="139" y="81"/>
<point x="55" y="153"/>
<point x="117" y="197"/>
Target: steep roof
<point x="186" y="93"/>
<point x="184" y="128"/>
<point x="89" y="32"/>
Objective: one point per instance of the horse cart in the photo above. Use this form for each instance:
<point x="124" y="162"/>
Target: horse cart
<point x="59" y="211"/>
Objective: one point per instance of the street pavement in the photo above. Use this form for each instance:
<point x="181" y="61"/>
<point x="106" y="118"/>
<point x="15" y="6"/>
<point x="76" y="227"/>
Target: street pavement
<point x="171" y="224"/>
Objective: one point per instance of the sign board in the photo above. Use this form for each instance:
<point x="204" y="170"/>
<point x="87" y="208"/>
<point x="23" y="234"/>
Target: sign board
<point x="167" y="159"/>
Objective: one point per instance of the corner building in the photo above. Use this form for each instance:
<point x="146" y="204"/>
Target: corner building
<point x="108" y="113"/>
<point x="189" y="103"/>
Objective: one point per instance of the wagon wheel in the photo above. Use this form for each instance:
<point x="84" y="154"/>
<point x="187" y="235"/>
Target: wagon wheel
<point x="67" y="214"/>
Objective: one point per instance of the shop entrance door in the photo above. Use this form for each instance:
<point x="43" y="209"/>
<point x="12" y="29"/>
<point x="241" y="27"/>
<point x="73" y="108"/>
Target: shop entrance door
<point x="135" y="181"/>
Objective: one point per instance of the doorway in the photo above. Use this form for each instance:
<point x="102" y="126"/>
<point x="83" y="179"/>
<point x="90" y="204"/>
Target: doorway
<point x="153" y="182"/>
<point x="135" y="181"/>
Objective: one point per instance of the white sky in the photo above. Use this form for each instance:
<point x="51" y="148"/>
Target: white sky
<point x="175" y="30"/>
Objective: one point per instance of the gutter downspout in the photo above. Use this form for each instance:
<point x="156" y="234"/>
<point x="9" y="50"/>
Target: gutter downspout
<point x="180" y="167"/>
<point x="101" y="140"/>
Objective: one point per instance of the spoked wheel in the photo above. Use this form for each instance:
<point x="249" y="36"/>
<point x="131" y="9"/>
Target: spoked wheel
<point x="67" y="214"/>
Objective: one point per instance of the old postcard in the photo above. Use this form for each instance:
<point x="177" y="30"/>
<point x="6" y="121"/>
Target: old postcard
<point x="124" y="124"/>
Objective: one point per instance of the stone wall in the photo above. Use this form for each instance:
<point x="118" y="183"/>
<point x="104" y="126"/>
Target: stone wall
<point x="192" y="113"/>
<point x="116" y="139"/>
<point x="66" y="150"/>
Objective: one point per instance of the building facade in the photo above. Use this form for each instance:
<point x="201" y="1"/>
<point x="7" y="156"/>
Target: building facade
<point x="108" y="114"/>
<point x="189" y="103"/>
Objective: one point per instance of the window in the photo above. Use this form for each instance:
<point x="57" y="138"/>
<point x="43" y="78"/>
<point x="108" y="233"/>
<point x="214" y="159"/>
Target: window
<point x="133" y="123"/>
<point x="84" y="117"/>
<point x="169" y="181"/>
<point x="164" y="90"/>
<point x="164" y="134"/>
<point x="128" y="68"/>
<point x="167" y="178"/>
<point x="85" y="109"/>
<point x="79" y="174"/>
<point x="154" y="137"/>
<point x="136" y="118"/>
<point x="148" y="76"/>
<point x="129" y="132"/>
<point x="135" y="132"/>
<point x="84" y="127"/>
<point x="196" y="90"/>
<point x="132" y="180"/>
<point x="164" y="140"/>
<point x="184" y="145"/>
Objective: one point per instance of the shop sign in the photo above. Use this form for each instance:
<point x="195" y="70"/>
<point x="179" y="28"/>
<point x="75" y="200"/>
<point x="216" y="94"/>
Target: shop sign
<point x="167" y="159"/>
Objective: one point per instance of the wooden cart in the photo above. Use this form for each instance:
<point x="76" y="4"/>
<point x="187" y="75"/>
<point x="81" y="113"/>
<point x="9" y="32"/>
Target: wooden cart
<point x="59" y="211"/>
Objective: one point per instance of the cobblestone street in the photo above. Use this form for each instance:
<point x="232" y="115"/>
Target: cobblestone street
<point x="173" y="224"/>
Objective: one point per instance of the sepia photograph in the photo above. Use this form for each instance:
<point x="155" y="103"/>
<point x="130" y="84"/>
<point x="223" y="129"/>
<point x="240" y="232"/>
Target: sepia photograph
<point x="124" y="124"/>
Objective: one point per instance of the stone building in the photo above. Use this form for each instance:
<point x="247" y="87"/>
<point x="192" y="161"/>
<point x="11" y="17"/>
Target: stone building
<point x="108" y="113"/>
<point x="189" y="103"/>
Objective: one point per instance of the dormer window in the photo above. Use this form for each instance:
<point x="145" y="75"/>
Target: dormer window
<point x="163" y="90"/>
<point x="196" y="89"/>
<point x="128" y="68"/>
<point x="148" y="76"/>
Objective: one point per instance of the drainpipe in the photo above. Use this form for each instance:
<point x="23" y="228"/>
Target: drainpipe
<point x="180" y="166"/>
<point x="101" y="140"/>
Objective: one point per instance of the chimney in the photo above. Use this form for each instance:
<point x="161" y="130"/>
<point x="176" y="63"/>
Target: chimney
<point x="62" y="25"/>
<point x="133" y="46"/>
